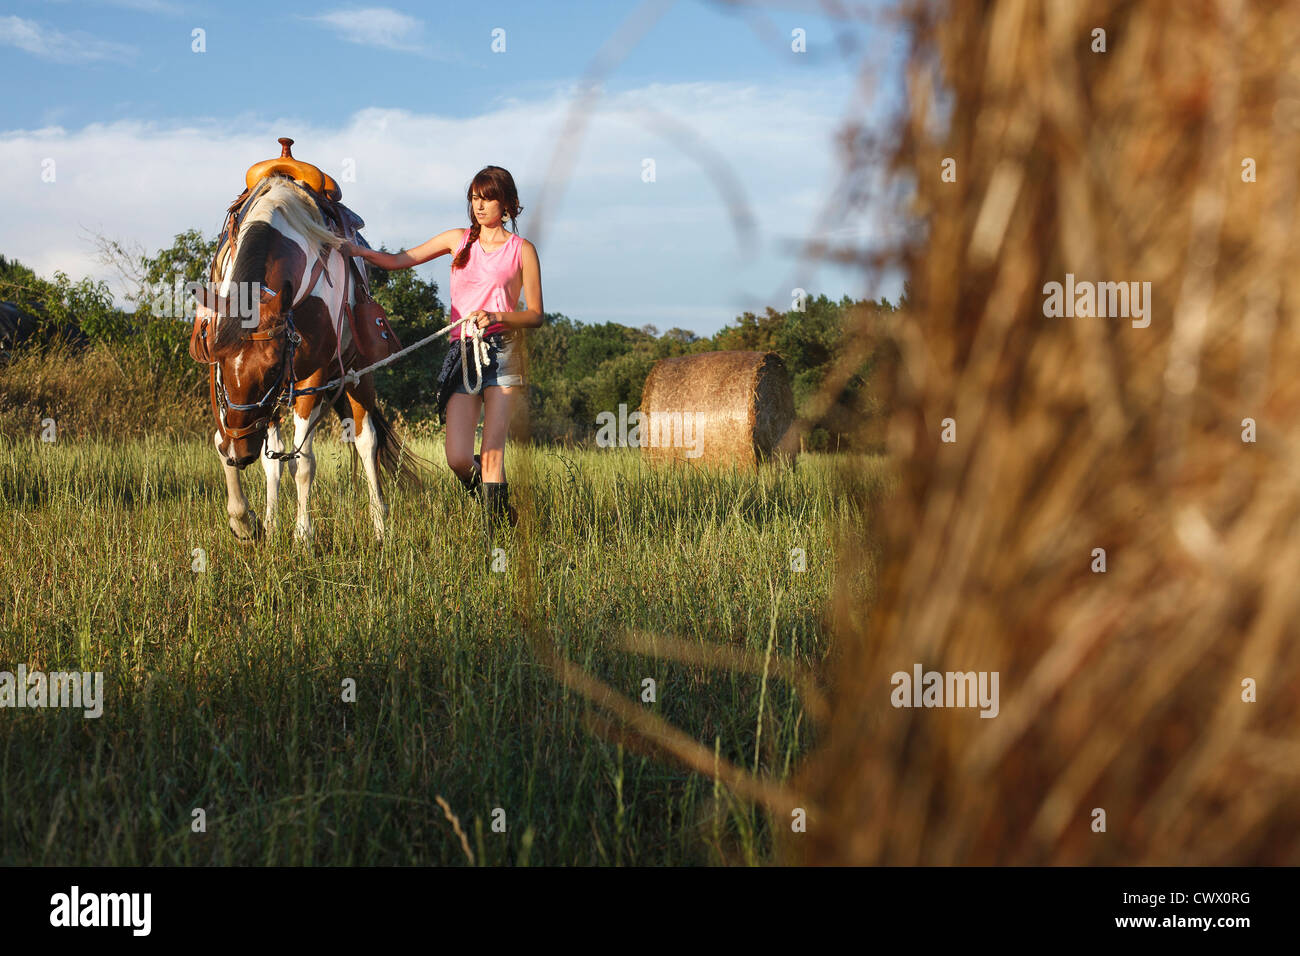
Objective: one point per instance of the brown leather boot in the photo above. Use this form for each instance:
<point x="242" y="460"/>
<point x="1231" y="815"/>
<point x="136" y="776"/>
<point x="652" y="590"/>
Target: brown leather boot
<point x="497" y="502"/>
<point x="474" y="480"/>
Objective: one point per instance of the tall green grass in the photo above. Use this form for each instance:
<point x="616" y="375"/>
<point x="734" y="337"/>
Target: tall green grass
<point x="224" y="687"/>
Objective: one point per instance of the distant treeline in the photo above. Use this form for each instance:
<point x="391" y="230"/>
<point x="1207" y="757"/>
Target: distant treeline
<point x="576" y="370"/>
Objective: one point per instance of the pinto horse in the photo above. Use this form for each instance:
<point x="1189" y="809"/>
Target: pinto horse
<point x="282" y="352"/>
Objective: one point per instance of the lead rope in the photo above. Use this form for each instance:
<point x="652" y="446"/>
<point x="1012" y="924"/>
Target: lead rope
<point x="478" y="348"/>
<point x="353" y="377"/>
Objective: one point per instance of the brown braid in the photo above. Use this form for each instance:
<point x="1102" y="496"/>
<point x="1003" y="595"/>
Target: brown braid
<point x="462" y="257"/>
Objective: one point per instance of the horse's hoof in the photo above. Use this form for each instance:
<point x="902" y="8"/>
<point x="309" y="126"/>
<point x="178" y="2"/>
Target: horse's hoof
<point x="247" y="532"/>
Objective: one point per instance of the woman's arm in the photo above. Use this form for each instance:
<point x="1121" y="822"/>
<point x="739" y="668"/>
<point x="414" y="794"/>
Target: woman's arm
<point x="531" y="317"/>
<point x="440" y="245"/>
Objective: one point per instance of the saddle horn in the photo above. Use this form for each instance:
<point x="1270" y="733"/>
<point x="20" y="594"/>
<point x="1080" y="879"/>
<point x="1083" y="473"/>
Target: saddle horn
<point x="317" y="180"/>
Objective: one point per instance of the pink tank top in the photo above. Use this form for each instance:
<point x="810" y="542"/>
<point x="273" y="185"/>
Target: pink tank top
<point x="490" y="281"/>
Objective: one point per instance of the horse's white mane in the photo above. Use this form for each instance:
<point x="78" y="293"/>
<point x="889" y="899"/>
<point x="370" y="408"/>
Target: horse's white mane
<point x="297" y="207"/>
<point x="298" y="210"/>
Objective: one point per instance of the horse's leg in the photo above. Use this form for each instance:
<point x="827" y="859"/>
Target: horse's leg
<point x="305" y="411"/>
<point x="362" y="398"/>
<point x="274" y="470"/>
<point x="243" y="522"/>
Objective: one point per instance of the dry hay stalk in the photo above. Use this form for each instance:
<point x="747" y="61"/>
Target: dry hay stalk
<point x="456" y="828"/>
<point x="1119" y="690"/>
<point x="727" y="407"/>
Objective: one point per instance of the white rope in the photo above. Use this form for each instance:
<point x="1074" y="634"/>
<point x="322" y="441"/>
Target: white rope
<point x="480" y="356"/>
<point x="479" y="350"/>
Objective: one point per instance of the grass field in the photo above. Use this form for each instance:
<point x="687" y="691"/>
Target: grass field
<point x="223" y="688"/>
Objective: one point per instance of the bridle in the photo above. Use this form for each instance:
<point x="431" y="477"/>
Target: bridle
<point x="274" y="398"/>
<point x="278" y="395"/>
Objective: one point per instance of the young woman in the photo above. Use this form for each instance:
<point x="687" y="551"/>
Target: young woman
<point x="490" y="267"/>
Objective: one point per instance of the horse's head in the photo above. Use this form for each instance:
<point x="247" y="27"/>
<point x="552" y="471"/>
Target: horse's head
<point x="252" y="345"/>
<point x="250" y="375"/>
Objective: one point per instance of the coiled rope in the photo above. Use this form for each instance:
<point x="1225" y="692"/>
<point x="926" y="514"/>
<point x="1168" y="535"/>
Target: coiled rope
<point x="478" y="347"/>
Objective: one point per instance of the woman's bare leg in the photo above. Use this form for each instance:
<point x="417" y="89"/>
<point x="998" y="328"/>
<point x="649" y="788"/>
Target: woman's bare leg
<point x="499" y="401"/>
<point x="462" y="421"/>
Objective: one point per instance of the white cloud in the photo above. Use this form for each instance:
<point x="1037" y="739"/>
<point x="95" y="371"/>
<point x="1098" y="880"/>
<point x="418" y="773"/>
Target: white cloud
<point x="612" y="247"/>
<point x="375" y="26"/>
<point x="51" y="44"/>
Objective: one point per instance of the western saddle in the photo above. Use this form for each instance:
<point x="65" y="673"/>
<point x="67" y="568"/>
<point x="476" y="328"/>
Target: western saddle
<point x="372" y="337"/>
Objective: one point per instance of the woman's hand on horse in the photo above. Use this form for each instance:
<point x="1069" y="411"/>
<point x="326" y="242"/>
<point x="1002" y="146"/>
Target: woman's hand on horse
<point x="348" y="249"/>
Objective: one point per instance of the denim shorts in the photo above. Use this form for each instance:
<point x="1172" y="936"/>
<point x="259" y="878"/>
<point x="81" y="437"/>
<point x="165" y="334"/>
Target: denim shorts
<point x="503" y="368"/>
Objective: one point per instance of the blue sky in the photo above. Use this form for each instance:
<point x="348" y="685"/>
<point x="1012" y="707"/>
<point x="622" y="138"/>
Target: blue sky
<point x="148" y="137"/>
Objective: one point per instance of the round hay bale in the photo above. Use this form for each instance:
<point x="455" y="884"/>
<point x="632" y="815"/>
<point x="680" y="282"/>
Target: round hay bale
<point x="716" y="408"/>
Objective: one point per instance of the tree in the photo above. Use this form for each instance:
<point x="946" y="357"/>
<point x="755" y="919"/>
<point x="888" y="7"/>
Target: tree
<point x="64" y="310"/>
<point x="414" y="312"/>
<point x="163" y="313"/>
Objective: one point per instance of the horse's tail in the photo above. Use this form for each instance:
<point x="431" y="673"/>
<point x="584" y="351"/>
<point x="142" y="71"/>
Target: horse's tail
<point x="407" y="468"/>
